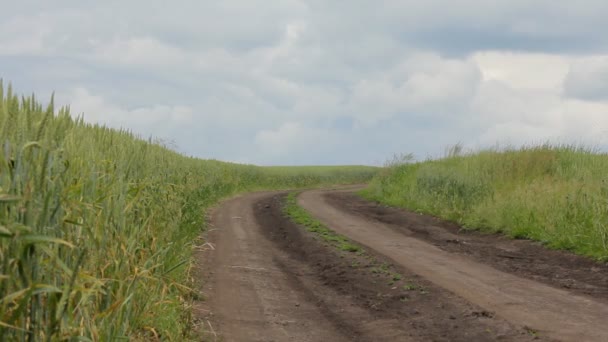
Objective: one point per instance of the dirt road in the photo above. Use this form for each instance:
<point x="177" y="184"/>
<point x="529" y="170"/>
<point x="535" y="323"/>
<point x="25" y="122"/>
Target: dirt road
<point x="418" y="279"/>
<point x="251" y="297"/>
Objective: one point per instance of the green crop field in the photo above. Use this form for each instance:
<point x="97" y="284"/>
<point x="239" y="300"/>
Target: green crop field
<point x="554" y="194"/>
<point x="96" y="225"/>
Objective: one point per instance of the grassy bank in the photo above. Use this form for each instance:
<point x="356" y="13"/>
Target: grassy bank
<point x="96" y="225"/>
<point x="557" y="195"/>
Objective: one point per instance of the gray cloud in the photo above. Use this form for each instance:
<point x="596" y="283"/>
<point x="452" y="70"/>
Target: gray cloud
<point x="588" y="79"/>
<point x="310" y="81"/>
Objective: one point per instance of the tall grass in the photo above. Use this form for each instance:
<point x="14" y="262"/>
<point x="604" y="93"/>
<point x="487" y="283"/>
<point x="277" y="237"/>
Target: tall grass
<point x="96" y="225"/>
<point x="554" y="194"/>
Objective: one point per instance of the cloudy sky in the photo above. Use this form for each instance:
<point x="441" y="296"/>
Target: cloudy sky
<point x="319" y="82"/>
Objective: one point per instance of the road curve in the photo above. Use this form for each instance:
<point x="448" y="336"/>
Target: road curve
<point x="250" y="297"/>
<point x="553" y="312"/>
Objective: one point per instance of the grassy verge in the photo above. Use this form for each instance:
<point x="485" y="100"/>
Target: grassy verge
<point x="96" y="225"/>
<point x="377" y="268"/>
<point x="554" y="194"/>
<point x="300" y="216"/>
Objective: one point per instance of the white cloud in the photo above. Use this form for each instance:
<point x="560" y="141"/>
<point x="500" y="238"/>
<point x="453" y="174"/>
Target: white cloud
<point x="524" y="70"/>
<point x="23" y="35"/>
<point x="310" y="81"/>
<point x="516" y="107"/>
<point x="588" y="78"/>
<point x="291" y="137"/>
<point x="144" y="51"/>
<point x="423" y="84"/>
<point x="96" y="109"/>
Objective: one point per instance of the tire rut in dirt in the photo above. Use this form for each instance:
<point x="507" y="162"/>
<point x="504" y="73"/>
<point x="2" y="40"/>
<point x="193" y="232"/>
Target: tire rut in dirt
<point x="366" y="298"/>
<point x="524" y="258"/>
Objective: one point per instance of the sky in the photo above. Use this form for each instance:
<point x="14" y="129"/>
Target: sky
<point x="292" y="82"/>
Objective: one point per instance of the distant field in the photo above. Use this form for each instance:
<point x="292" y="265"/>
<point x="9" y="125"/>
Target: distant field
<point x="97" y="225"/>
<point x="322" y="170"/>
<point x="554" y="194"/>
<point x="322" y="175"/>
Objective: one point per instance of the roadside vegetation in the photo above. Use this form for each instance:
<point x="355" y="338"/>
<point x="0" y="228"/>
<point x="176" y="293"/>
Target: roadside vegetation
<point x="302" y="218"/>
<point x="97" y="225"/>
<point x="554" y="194"/>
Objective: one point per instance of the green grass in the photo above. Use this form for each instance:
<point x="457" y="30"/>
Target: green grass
<point x="97" y="225"/>
<point x="412" y="286"/>
<point x="303" y="218"/>
<point x="376" y="267"/>
<point x="554" y="194"/>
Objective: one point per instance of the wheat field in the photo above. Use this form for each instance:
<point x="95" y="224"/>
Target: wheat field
<point x="97" y="225"/>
